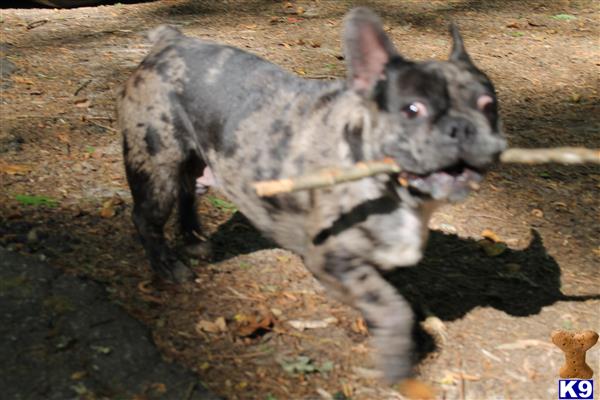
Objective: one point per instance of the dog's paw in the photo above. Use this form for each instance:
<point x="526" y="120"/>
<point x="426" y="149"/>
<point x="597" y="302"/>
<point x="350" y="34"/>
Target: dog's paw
<point x="181" y="273"/>
<point x="200" y="250"/>
<point x="171" y="269"/>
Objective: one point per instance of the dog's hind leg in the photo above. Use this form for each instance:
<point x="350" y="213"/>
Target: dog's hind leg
<point x="153" y="200"/>
<point x="195" y="244"/>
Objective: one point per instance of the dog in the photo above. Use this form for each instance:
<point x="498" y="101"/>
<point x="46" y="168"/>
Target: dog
<point x="199" y="111"/>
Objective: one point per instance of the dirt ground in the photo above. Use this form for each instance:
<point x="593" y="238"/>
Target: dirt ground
<point x="64" y="198"/>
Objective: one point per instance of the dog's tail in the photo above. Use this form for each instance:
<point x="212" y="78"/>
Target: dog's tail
<point x="162" y="33"/>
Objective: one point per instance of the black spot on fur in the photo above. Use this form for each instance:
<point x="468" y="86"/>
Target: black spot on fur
<point x="255" y="157"/>
<point x="283" y="203"/>
<point x="371" y="297"/>
<point x="149" y="108"/>
<point x="279" y="129"/>
<point x="125" y="143"/>
<point x="353" y="136"/>
<point x="164" y="118"/>
<point x="363" y="277"/>
<point x="137" y="80"/>
<point x="338" y="265"/>
<point x="163" y="69"/>
<point x="326" y="98"/>
<point x="152" y="139"/>
<point x="140" y="125"/>
<point x="214" y="135"/>
<point x="152" y="61"/>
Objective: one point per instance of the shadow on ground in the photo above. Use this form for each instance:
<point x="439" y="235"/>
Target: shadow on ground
<point x="62" y="338"/>
<point x="455" y="276"/>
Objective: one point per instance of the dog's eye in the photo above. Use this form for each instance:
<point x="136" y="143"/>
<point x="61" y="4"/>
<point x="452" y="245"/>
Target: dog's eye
<point x="414" y="110"/>
<point x="486" y="104"/>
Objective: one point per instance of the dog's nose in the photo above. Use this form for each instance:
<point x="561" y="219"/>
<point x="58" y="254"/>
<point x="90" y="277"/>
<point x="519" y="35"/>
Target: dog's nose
<point x="459" y="128"/>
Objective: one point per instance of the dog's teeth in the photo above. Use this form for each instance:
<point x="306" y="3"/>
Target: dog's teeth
<point x="474" y="185"/>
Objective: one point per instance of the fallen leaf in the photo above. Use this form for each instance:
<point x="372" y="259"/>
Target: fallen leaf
<point x="305" y="365"/>
<point x="312" y="324"/>
<point x="204" y="366"/>
<point x="14" y="169"/>
<point x="360" y="326"/>
<point x="535" y="24"/>
<point x="290" y="296"/>
<point x="536" y="212"/>
<point x="159" y="388"/>
<point x="576" y="98"/>
<point x="491" y="235"/>
<point x="466" y="377"/>
<point x="492" y="249"/>
<point x="347" y="390"/>
<point x="107" y="211"/>
<point x="101" y="349"/>
<point x="30" y="200"/>
<point x="219" y="325"/>
<point x="448" y="379"/>
<point x="325" y="395"/>
<point x="529" y="370"/>
<point x="513" y="268"/>
<point x="563" y="17"/>
<point x="251" y="325"/>
<point x="20" y="79"/>
<point x="143" y="286"/>
<point x="414" y="389"/>
<point x="77" y="375"/>
<point x="81" y="103"/>
<point x="276" y="312"/>
<point x="63" y="137"/>
<point x="525" y="343"/>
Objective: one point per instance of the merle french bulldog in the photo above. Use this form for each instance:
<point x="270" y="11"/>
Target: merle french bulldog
<point x="198" y="109"/>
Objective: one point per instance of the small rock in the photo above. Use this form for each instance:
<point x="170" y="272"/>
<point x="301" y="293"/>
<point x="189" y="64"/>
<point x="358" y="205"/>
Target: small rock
<point x="536" y="212"/>
<point x="447" y="228"/>
<point x="33" y="236"/>
<point x="7" y="68"/>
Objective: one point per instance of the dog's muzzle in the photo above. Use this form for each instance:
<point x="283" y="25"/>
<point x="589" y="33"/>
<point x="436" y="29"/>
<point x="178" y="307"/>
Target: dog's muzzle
<point x="453" y="183"/>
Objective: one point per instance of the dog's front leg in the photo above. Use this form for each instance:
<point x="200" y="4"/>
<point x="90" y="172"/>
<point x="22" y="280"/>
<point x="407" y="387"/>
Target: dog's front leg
<point x="387" y="314"/>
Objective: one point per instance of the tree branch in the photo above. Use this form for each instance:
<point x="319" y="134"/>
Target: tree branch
<point x="332" y="176"/>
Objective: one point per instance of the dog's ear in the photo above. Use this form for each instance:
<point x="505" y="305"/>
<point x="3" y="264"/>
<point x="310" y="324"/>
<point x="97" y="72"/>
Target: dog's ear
<point x="367" y="49"/>
<point x="458" y="53"/>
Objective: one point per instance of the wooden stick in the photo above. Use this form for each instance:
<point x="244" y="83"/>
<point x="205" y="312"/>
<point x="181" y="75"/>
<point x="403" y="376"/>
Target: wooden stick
<point x="561" y="155"/>
<point x="326" y="177"/>
<point x="332" y="176"/>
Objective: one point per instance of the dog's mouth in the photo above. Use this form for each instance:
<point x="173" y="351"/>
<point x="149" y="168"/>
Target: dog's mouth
<point x="452" y="183"/>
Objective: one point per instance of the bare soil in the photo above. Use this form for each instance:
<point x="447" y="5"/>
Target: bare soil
<point x="233" y="326"/>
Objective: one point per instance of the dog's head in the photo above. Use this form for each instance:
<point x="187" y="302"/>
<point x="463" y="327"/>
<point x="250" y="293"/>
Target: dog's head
<point x="437" y="119"/>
